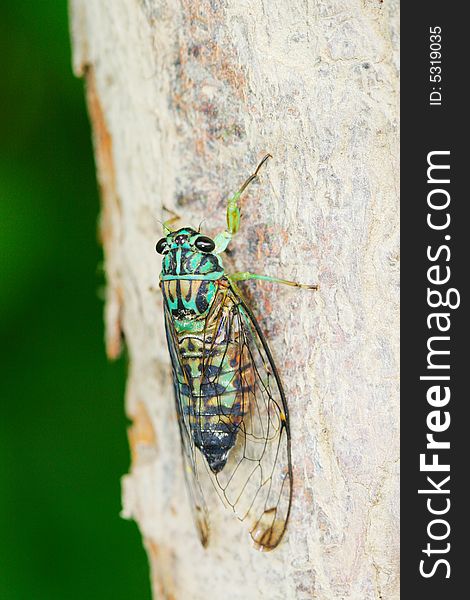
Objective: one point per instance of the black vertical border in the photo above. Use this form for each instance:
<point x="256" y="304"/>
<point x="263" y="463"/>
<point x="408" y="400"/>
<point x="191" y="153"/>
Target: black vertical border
<point x="424" y="129"/>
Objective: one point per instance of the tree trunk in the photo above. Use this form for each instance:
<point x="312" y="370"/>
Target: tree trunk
<point x="185" y="97"/>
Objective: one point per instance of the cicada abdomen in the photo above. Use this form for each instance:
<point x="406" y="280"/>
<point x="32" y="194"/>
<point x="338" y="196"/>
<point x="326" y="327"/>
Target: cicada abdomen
<point x="216" y="377"/>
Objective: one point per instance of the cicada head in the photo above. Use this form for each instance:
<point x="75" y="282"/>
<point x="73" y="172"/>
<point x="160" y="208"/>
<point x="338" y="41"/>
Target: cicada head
<point x="187" y="254"/>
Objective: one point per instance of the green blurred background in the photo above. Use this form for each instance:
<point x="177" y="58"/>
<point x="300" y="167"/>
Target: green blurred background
<point x="63" y="444"/>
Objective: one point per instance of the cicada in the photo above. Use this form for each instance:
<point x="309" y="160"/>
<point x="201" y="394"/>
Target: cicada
<point x="231" y="407"/>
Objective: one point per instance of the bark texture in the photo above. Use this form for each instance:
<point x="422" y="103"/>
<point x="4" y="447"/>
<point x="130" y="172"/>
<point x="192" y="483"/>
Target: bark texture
<point x="185" y="96"/>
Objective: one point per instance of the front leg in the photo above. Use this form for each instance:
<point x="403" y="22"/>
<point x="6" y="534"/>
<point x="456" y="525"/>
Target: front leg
<point x="222" y="239"/>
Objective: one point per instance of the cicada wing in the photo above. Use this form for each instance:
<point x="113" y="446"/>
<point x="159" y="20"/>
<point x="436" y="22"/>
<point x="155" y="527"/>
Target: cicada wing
<point x="188" y="450"/>
<point x="196" y="497"/>
<point x="256" y="481"/>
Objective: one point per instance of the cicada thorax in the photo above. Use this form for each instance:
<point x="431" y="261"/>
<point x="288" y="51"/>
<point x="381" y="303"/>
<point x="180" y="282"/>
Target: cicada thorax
<point x="188" y="300"/>
<point x="217" y="377"/>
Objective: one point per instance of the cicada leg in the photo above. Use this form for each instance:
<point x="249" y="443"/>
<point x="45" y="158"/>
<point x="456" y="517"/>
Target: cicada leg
<point x="166" y="224"/>
<point x="222" y="239"/>
<point x="246" y="276"/>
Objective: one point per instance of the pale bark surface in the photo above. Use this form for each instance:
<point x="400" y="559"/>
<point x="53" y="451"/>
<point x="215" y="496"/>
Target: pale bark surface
<point x="185" y="97"/>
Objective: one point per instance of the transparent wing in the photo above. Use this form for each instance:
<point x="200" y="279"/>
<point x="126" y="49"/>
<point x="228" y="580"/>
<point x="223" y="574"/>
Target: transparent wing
<point x="246" y="396"/>
<point x="196" y="496"/>
<point x="256" y="481"/>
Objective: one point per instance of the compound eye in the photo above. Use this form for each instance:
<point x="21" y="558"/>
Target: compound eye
<point x="161" y="246"/>
<point x="205" y="244"/>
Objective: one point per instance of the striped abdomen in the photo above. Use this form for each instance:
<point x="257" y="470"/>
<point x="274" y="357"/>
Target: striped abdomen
<point x="216" y="380"/>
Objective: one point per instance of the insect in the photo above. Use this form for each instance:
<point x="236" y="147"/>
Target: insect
<point x="231" y="407"/>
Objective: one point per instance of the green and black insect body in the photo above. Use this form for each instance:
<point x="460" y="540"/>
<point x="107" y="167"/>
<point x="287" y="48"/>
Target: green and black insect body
<point x="232" y="411"/>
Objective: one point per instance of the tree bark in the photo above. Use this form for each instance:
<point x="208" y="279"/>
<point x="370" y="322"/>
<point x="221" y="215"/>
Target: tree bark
<point x="184" y="98"/>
